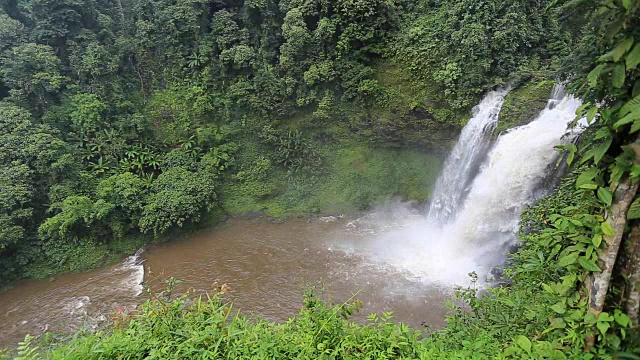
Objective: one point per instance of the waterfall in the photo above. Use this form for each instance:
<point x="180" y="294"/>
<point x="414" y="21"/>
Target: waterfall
<point x="508" y="181"/>
<point x="474" y="217"/>
<point x="465" y="158"/>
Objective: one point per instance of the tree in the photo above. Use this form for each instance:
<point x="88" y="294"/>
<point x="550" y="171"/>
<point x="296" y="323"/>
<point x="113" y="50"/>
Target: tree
<point x="55" y="20"/>
<point x="76" y="217"/>
<point x="127" y="193"/>
<point x="86" y="113"/>
<point x="31" y="161"/>
<point x="16" y="193"/>
<point x="12" y="33"/>
<point x="33" y="73"/>
<point x="177" y="197"/>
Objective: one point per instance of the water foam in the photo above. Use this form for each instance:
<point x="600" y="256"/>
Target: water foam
<point x="133" y="265"/>
<point x="443" y="249"/>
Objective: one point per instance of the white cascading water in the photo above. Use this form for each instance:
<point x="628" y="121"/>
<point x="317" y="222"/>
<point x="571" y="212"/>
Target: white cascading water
<point x="443" y="249"/>
<point x="509" y="181"/>
<point x="465" y="158"/>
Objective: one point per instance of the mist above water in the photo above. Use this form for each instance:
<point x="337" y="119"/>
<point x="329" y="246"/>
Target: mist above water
<point x="473" y="218"/>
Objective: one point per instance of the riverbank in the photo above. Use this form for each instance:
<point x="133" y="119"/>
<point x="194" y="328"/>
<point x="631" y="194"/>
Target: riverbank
<point x="355" y="179"/>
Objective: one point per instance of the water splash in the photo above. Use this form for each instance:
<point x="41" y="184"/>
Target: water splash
<point x="134" y="266"/>
<point x="465" y="158"/>
<point x="471" y="227"/>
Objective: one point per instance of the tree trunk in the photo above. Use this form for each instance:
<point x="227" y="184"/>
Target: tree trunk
<point x="598" y="283"/>
<point x="633" y="275"/>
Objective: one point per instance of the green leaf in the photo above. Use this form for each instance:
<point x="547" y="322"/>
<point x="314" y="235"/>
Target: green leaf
<point x="605" y="196"/>
<point x="595" y="74"/>
<point x="597" y="240"/>
<point x="558" y="323"/>
<point x="618" y="76"/>
<point x="560" y="308"/>
<point x="633" y="58"/>
<point x="605" y="317"/>
<point x="625" y="4"/>
<point x="614" y="27"/>
<point x="591" y="186"/>
<point x="588" y="265"/>
<point x="606" y="229"/>
<point x="567" y="260"/>
<point x="628" y="118"/>
<point x="589" y="318"/>
<point x="629" y="106"/>
<point x="524" y="343"/>
<point x="581" y="108"/>
<point x="621" y="318"/>
<point x="589" y="252"/>
<point x="626" y="355"/>
<point x="634" y="210"/>
<point x="622" y="48"/>
<point x="571" y="149"/>
<point x="635" y="127"/>
<point x="510" y="351"/>
<point x="602" y="133"/>
<point x="603" y="327"/>
<point x="572" y="155"/>
<point x="635" y="170"/>
<point x="636" y="88"/>
<point x="587" y="176"/>
<point x="597" y="152"/>
<point x="591" y="114"/>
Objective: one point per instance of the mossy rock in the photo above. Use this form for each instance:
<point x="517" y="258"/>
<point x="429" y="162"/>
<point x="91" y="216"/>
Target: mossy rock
<point x="523" y="104"/>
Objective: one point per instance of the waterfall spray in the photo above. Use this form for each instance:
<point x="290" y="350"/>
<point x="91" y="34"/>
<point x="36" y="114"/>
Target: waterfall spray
<point x="474" y="216"/>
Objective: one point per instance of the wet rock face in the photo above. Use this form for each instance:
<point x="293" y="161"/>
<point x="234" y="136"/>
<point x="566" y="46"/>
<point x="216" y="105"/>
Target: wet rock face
<point x="415" y="128"/>
<point x="523" y="104"/>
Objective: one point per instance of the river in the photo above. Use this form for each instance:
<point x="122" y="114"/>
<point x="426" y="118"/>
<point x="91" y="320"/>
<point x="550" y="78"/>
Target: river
<point x="266" y="267"/>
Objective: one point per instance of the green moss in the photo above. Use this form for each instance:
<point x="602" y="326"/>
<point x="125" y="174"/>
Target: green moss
<point x="361" y="177"/>
<point x="523" y="104"/>
<point x="356" y="178"/>
<point x="409" y="114"/>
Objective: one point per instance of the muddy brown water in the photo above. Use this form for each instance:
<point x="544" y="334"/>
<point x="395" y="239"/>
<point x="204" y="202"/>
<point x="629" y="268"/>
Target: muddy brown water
<point x="266" y="267"/>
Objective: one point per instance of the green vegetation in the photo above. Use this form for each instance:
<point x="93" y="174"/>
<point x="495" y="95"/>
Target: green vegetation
<point x="124" y="121"/>
<point x="539" y="316"/>
<point x="356" y="178"/>
<point x="128" y="120"/>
